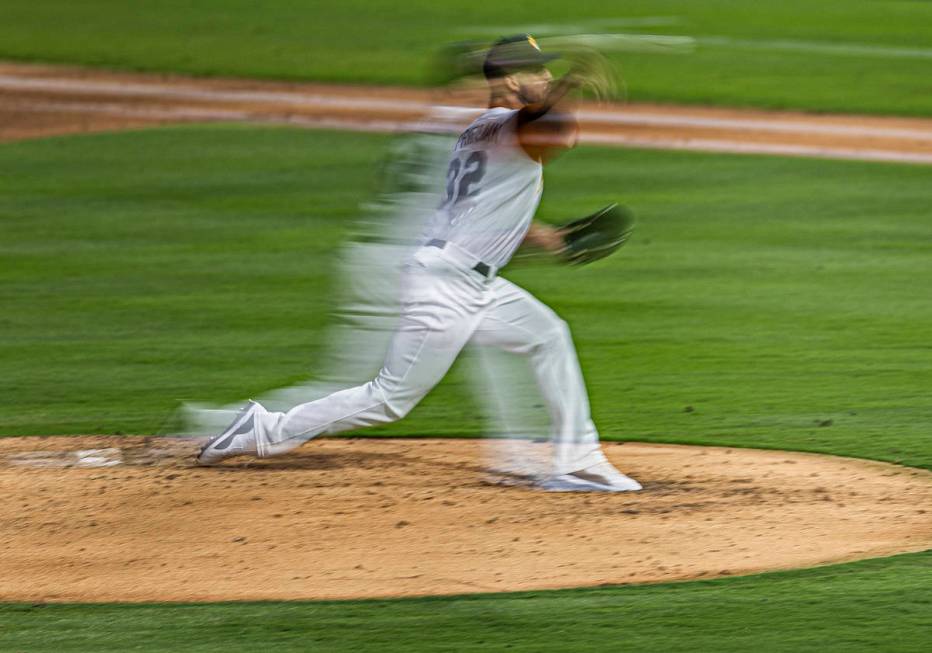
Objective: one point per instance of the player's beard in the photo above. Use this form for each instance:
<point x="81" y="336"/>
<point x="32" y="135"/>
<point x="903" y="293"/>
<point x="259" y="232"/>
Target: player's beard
<point x="527" y="94"/>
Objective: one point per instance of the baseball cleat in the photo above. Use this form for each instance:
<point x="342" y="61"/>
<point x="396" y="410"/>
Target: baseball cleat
<point x="238" y="439"/>
<point x="598" y="478"/>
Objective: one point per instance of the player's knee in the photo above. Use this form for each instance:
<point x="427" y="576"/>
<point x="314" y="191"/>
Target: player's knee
<point x="399" y="409"/>
<point x="396" y="403"/>
<point x="558" y="334"/>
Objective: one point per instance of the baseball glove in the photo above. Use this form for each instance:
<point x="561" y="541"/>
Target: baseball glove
<point x="596" y="236"/>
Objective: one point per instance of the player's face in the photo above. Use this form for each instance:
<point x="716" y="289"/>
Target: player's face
<point x="533" y="85"/>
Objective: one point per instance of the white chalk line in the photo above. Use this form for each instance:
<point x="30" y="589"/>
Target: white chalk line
<point x="315" y="101"/>
<point x="776" y="149"/>
<point x="666" y="43"/>
<point x="578" y="30"/>
<point x="543" y="30"/>
<point x="754" y="124"/>
<point x="391" y="126"/>
<point x="818" y="47"/>
<point x="155" y="90"/>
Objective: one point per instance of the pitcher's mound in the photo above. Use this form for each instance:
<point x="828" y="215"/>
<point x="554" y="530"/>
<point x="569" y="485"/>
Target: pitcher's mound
<point x="130" y="519"/>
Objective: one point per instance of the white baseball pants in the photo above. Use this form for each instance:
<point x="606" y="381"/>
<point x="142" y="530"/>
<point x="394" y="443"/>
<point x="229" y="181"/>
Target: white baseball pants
<point x="445" y="305"/>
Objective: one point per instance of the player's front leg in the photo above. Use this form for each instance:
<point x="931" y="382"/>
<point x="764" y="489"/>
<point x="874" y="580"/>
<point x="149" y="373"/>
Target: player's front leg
<point x="520" y="323"/>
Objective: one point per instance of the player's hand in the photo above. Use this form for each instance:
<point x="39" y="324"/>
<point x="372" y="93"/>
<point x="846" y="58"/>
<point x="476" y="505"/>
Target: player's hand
<point x="546" y="237"/>
<point x="591" y="71"/>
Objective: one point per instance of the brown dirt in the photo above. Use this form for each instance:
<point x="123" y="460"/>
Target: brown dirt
<point x="351" y="518"/>
<point x="45" y="100"/>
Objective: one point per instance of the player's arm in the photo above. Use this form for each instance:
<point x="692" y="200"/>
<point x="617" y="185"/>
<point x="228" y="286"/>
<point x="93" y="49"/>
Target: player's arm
<point x="547" y="128"/>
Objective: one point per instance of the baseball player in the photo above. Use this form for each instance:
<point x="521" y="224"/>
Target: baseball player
<point x="451" y="292"/>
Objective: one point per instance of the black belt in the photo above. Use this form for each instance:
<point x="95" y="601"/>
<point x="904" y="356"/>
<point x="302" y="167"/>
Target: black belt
<point x="479" y="267"/>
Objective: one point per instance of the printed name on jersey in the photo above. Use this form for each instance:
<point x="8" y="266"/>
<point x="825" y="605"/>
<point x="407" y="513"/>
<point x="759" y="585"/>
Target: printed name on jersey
<point x="483" y="132"/>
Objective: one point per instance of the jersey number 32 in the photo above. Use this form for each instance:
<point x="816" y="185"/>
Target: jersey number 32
<point x="463" y="177"/>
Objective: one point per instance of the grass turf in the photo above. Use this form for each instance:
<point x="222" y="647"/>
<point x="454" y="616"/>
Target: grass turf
<point x="834" y="55"/>
<point x="763" y="302"/>
<point x="766" y="294"/>
<point x="876" y="605"/>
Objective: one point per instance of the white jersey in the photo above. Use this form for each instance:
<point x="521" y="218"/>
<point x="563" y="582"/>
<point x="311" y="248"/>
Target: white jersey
<point x="492" y="190"/>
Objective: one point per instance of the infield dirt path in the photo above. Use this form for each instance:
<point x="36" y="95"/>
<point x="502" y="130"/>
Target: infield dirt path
<point x="352" y="518"/>
<point x="38" y="101"/>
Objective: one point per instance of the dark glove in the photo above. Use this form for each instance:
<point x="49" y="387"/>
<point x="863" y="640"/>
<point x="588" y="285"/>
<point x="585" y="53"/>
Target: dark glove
<point x="598" y="235"/>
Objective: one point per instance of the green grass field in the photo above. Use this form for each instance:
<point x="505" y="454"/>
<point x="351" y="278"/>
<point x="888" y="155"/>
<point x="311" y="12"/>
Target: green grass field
<point x="834" y="55"/>
<point x="771" y="295"/>
<point x="877" y="605"/>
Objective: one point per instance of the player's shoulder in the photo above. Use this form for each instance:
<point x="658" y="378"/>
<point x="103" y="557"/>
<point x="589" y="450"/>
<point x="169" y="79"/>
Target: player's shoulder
<point x="489" y="127"/>
<point x="496" y="114"/>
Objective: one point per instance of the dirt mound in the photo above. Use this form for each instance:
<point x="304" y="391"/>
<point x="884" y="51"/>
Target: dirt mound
<point x="131" y="519"/>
